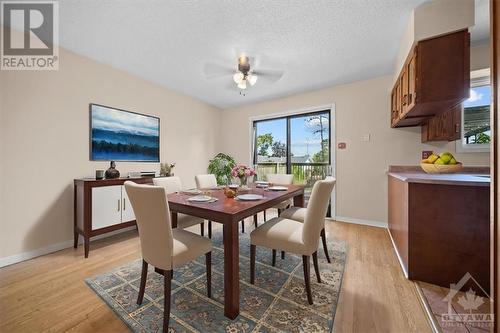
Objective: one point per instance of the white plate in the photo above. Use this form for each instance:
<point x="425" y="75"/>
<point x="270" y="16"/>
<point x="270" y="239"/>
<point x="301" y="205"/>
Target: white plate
<point x="249" y="197"/>
<point x="200" y="198"/>
<point x="233" y="186"/>
<point x="191" y="191"/>
<point x="261" y="182"/>
<point x="278" y="188"/>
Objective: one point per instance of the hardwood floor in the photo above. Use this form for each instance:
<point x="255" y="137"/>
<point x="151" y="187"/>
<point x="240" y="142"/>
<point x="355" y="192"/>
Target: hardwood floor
<point x="48" y="293"/>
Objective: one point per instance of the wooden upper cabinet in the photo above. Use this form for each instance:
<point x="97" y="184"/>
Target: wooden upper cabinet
<point x="434" y="79"/>
<point x="443" y="127"/>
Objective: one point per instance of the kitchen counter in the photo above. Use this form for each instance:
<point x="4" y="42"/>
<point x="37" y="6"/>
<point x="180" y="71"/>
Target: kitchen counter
<point x="443" y="179"/>
<point x="440" y="224"/>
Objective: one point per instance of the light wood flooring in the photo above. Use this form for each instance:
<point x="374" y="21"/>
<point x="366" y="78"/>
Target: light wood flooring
<point x="49" y="293"/>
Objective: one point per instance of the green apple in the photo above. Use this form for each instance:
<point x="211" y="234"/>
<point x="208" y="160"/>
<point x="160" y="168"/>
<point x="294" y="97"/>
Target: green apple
<point x="439" y="161"/>
<point x="446" y="157"/>
<point x="453" y="161"/>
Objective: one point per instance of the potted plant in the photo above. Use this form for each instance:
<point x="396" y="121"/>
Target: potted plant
<point x="221" y="166"/>
<point x="166" y="169"/>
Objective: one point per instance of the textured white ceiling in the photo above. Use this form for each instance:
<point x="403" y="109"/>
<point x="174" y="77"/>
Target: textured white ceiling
<point x="318" y="43"/>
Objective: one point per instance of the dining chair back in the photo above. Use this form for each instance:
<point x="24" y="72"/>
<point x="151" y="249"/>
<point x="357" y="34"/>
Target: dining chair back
<point x="153" y="221"/>
<point x="316" y="211"/>
<point x="205" y="181"/>
<point x="171" y="184"/>
<point x="280" y="178"/>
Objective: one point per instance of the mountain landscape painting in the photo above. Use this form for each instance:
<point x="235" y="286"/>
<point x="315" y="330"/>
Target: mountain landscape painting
<point x="118" y="135"/>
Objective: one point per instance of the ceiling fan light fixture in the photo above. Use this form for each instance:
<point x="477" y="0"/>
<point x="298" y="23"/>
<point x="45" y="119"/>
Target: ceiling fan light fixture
<point x="252" y="79"/>
<point x="242" y="84"/>
<point x="238" y="77"/>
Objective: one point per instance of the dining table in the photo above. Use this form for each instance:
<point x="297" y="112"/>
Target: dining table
<point x="229" y="212"/>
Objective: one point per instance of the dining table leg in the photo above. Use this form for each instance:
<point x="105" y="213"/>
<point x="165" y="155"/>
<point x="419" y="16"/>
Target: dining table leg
<point x="231" y="270"/>
<point x="298" y="200"/>
<point x="173" y="219"/>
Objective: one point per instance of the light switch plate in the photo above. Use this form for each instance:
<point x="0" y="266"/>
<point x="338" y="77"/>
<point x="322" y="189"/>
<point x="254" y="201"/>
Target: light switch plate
<point x="366" y="138"/>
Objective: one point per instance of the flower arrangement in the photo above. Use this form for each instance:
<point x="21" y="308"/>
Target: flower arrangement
<point x="242" y="172"/>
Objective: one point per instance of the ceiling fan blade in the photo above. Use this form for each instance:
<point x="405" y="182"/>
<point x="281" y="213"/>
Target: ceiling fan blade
<point x="270" y="75"/>
<point x="213" y="70"/>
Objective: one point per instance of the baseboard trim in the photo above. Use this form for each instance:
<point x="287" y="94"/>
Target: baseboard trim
<point x="23" y="256"/>
<point x="371" y="223"/>
<point x="405" y="273"/>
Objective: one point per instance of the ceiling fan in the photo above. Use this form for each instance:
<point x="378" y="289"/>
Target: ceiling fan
<point x="244" y="75"/>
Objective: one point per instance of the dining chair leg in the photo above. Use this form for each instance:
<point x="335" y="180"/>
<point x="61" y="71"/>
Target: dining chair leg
<point x="282" y="255"/>
<point x="255" y="221"/>
<point x="167" y="280"/>
<point x="307" y="278"/>
<point x="210" y="229"/>
<point x="265" y="218"/>
<point x="202" y="228"/>
<point x="208" y="263"/>
<point x="323" y="238"/>
<point x="252" y="264"/>
<point x="274" y="257"/>
<point x="316" y="266"/>
<point x="279" y="212"/>
<point x="242" y="226"/>
<point x="142" y="288"/>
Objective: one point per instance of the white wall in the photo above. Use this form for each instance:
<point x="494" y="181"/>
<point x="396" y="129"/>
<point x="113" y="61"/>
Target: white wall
<point x="44" y="138"/>
<point x="361" y="108"/>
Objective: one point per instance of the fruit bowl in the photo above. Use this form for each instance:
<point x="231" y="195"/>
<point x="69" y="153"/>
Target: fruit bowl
<point x="441" y="168"/>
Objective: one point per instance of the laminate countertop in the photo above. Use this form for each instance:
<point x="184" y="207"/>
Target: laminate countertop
<point x="467" y="179"/>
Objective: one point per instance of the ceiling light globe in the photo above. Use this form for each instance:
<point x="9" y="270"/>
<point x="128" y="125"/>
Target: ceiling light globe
<point x="238" y="77"/>
<point x="242" y="84"/>
<point x="252" y="79"/>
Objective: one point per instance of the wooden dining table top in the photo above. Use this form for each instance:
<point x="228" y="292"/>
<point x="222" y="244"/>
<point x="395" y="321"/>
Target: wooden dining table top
<point x="231" y="208"/>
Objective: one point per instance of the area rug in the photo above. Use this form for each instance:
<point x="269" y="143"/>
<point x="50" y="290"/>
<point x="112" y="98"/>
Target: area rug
<point x="277" y="302"/>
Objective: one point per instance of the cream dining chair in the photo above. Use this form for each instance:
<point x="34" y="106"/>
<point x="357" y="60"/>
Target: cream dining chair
<point x="210" y="182"/>
<point x="173" y="185"/>
<point x="281" y="179"/>
<point x="296" y="237"/>
<point x="161" y="246"/>
<point x="299" y="214"/>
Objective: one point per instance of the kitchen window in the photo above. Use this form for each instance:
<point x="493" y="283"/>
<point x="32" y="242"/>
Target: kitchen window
<point x="476" y="126"/>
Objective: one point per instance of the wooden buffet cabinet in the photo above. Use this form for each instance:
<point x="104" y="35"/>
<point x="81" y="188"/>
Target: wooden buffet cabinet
<point x="434" y="81"/>
<point x="101" y="206"/>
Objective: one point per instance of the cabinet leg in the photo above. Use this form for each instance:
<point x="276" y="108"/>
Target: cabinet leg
<point x="75" y="239"/>
<point x="87" y="246"/>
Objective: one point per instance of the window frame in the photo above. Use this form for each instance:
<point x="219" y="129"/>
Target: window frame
<point x="288" y="119"/>
<point x="479" y="78"/>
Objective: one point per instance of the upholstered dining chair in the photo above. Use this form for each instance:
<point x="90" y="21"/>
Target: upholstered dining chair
<point x="173" y="185"/>
<point x="207" y="182"/>
<point x="281" y="179"/>
<point x="299" y="214"/>
<point x="161" y="246"/>
<point x="294" y="236"/>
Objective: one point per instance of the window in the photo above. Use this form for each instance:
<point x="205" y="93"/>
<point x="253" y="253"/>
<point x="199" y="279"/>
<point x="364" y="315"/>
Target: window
<point x="297" y="144"/>
<point x="476" y="131"/>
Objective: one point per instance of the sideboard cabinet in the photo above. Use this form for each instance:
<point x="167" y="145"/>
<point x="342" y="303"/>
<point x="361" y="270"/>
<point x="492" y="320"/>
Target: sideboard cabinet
<point x="101" y="206"/>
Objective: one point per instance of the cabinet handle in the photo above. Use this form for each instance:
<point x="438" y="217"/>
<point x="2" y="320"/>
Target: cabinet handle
<point x="118" y="205"/>
<point x="457" y="128"/>
<point x="124" y="204"/>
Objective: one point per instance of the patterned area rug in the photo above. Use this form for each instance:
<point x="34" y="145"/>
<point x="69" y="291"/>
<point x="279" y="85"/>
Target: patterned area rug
<point x="277" y="302"/>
